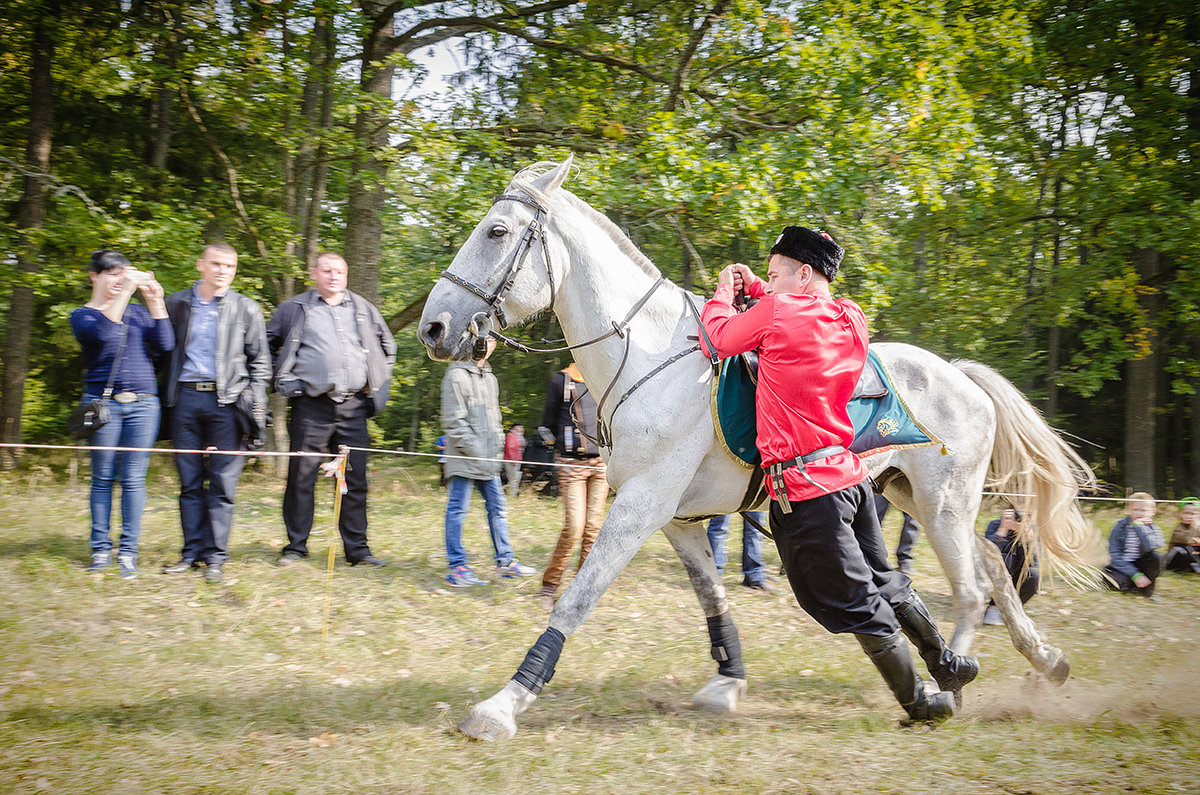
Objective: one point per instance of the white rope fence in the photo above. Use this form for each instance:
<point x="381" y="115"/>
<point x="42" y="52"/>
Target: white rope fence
<point x="413" y="454"/>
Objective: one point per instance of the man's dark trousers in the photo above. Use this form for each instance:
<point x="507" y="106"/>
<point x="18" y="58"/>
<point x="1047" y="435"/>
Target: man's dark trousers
<point x="207" y="483"/>
<point x="318" y="424"/>
<point x="836" y="561"/>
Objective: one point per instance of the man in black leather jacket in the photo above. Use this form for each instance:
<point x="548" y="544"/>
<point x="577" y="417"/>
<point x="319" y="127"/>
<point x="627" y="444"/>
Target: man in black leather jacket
<point x="221" y="360"/>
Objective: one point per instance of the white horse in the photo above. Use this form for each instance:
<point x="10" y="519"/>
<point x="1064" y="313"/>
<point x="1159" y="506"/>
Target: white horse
<point x="540" y="247"/>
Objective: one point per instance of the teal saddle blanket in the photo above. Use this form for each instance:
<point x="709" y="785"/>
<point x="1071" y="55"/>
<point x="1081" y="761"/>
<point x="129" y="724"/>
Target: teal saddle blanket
<point x="881" y="419"/>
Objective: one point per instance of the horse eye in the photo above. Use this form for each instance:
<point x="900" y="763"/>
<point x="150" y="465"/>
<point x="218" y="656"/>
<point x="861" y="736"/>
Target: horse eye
<point x="497" y="231"/>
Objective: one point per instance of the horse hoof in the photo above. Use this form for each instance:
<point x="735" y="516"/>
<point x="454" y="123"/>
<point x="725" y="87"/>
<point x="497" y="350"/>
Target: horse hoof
<point x="488" y="725"/>
<point x="722" y="694"/>
<point x="1060" y="672"/>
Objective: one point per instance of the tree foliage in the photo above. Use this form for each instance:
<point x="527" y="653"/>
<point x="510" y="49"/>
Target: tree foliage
<point x="1013" y="182"/>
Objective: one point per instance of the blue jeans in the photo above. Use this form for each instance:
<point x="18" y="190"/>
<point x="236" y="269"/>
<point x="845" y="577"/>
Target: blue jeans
<point x="459" y="501"/>
<point x="129" y="425"/>
<point x="754" y="571"/>
<point x="207" y="483"/>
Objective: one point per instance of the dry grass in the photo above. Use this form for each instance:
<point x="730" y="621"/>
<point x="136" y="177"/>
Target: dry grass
<point x="167" y="684"/>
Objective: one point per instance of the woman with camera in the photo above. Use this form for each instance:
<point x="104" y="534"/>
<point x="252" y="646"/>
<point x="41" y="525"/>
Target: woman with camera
<point x="118" y="340"/>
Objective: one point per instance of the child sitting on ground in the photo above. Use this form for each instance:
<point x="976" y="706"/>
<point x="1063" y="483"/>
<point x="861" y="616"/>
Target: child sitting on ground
<point x="1133" y="548"/>
<point x="1184" y="554"/>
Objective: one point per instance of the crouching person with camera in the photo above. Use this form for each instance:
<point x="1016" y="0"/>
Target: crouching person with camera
<point x="216" y="392"/>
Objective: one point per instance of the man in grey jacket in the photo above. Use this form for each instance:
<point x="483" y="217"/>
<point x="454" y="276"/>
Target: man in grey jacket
<point x="220" y="361"/>
<point x="333" y="357"/>
<point x="474" y="452"/>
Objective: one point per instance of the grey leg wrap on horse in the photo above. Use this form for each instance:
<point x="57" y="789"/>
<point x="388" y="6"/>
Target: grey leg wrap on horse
<point x="726" y="648"/>
<point x="951" y="671"/>
<point x="891" y="657"/>
<point x="538" y="666"/>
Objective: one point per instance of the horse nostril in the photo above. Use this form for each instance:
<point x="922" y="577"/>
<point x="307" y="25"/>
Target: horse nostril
<point x="433" y="333"/>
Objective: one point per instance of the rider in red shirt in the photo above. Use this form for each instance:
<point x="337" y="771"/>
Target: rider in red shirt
<point x="812" y="350"/>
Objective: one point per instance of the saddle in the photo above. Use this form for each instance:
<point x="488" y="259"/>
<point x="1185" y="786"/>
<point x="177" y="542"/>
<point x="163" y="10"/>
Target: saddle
<point x="870" y="383"/>
<point x="882" y="420"/>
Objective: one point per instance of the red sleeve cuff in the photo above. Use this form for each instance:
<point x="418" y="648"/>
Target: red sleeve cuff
<point x="724" y="294"/>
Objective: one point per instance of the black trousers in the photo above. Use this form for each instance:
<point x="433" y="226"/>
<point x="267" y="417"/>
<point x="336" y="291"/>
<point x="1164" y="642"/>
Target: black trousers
<point x="837" y="563"/>
<point x="1182" y="557"/>
<point x="1149" y="564"/>
<point x="318" y="424"/>
<point x="207" y="483"/>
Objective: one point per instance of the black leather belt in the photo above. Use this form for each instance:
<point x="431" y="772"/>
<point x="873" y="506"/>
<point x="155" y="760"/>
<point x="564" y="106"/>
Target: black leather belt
<point x="200" y="386"/>
<point x="776" y="472"/>
<point x="132" y="397"/>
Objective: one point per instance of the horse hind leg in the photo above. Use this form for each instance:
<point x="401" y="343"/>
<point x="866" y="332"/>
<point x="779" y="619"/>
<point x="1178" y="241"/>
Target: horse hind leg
<point x="1046" y="659"/>
<point x="724" y="692"/>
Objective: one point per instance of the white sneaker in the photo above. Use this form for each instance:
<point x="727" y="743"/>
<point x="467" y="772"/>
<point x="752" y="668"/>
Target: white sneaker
<point x="100" y="562"/>
<point x="128" y="566"/>
<point x="514" y="568"/>
<point x="992" y="617"/>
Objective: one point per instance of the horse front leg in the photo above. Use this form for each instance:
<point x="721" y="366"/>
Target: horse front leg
<point x="1046" y="659"/>
<point x="635" y="515"/>
<point x="727" y="688"/>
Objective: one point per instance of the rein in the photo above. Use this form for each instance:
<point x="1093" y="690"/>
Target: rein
<point x="533" y="232"/>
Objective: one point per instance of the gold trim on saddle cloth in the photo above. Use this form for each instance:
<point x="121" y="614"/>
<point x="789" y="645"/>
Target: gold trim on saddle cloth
<point x="934" y="439"/>
<point x="716" y="421"/>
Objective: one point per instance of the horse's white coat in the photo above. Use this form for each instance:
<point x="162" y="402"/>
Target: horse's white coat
<point x="665" y="463"/>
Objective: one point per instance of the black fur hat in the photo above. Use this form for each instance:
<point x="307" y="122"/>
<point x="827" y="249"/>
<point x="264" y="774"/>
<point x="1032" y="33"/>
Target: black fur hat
<point x="810" y="247"/>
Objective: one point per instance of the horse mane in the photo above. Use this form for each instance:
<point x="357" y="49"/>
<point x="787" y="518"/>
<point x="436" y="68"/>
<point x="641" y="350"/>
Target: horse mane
<point x="523" y="180"/>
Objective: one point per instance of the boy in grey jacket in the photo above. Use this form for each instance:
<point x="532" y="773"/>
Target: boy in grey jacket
<point x="474" y="453"/>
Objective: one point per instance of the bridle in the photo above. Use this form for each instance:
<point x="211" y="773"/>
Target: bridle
<point x="481" y="320"/>
<point x="532" y="233"/>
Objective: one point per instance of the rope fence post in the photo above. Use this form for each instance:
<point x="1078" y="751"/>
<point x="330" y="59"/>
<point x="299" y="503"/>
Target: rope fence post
<point x="337" y="470"/>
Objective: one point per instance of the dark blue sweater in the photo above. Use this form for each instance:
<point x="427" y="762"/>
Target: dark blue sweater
<point x="100" y="337"/>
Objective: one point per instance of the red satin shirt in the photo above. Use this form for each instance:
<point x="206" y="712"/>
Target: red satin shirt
<point x="811" y="352"/>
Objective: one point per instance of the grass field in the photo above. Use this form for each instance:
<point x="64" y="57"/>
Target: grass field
<point x="166" y="684"/>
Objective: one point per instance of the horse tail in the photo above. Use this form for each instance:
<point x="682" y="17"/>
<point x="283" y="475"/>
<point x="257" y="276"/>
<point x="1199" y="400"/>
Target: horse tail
<point x="1029" y="458"/>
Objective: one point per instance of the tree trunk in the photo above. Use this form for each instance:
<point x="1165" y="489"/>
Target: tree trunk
<point x="30" y="215"/>
<point x="368" y="190"/>
<point x="320" y="171"/>
<point x="414" y="425"/>
<point x="1193" y="481"/>
<point x="165" y="57"/>
<point x="1141" y="383"/>
<point x="1054" y="335"/>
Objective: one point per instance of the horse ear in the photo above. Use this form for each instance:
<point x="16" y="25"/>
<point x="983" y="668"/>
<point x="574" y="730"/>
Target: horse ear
<point x="553" y="180"/>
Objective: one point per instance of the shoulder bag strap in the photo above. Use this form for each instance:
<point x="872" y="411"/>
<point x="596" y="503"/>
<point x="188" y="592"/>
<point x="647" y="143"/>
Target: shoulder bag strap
<point x="112" y="373"/>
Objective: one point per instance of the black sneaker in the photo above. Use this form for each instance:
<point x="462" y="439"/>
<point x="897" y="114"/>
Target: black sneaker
<point x="369" y="560"/>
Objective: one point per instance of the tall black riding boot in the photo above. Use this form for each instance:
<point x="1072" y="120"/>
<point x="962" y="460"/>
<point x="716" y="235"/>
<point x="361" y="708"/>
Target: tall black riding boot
<point x="891" y="656"/>
<point x="951" y="671"/>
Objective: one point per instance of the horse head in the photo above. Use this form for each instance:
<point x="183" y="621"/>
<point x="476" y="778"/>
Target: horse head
<point x="501" y="276"/>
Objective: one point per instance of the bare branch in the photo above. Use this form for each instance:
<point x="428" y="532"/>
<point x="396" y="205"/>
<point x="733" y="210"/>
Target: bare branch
<point x="685" y="58"/>
<point x="231" y="175"/>
<point x="408" y="314"/>
<point x="408" y="41"/>
<point x="59" y="187"/>
<point x="673" y="219"/>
